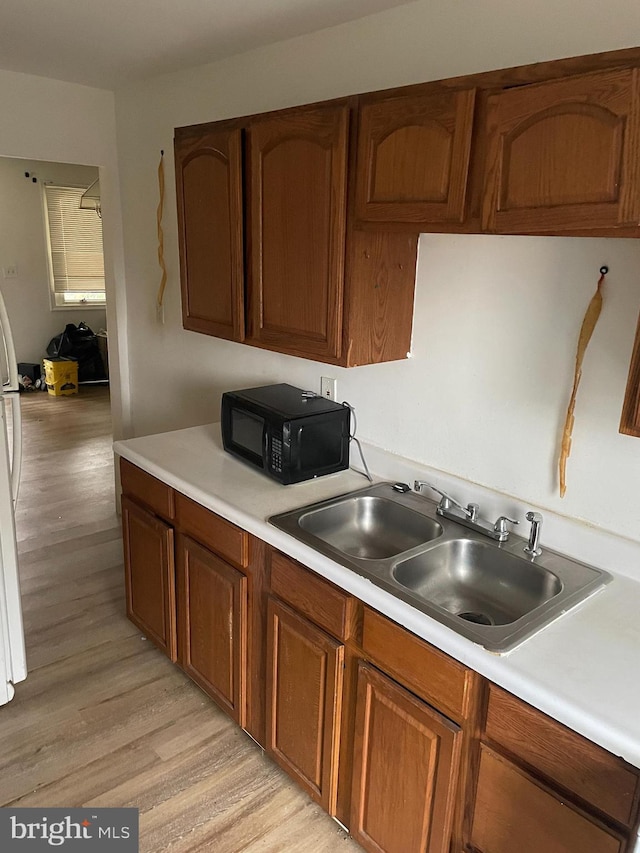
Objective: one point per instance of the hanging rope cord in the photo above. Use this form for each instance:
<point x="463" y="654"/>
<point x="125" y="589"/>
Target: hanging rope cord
<point x="588" y="325"/>
<point x="163" y="279"/>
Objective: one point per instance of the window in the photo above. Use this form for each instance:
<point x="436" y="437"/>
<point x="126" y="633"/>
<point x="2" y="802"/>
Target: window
<point x="76" y="262"/>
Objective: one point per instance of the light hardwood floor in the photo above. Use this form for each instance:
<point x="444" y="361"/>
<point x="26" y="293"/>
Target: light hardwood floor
<point x="104" y="719"/>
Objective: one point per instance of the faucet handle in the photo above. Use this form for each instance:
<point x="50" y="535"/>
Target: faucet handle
<point x="446" y="500"/>
<point x="501" y="524"/>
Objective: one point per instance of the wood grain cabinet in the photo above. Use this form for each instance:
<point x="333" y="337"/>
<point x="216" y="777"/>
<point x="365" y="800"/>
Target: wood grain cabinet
<point x="212" y="625"/>
<point x="276" y="187"/>
<point x="194" y="587"/>
<point x="543" y="787"/>
<point x="405" y="770"/>
<point x="630" y="417"/>
<point x="210" y="210"/>
<point x="150" y="575"/>
<point x="304" y="701"/>
<point x="297" y="210"/>
<point x="414" y="751"/>
<point x="413" y="157"/>
<point x="564" y="155"/>
<point x="308" y="621"/>
<point x="150" y="587"/>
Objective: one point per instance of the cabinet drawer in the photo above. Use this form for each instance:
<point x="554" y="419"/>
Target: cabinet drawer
<point x="217" y="533"/>
<point x="570" y="760"/>
<point x="315" y="598"/>
<point x="513" y="813"/>
<point x="146" y="489"/>
<point x="435" y="677"/>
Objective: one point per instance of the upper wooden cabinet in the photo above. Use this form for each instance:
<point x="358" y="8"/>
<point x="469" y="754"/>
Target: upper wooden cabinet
<point x="564" y="155"/>
<point x="313" y="286"/>
<point x="413" y="157"/>
<point x="210" y="210"/>
<point x="297" y="209"/>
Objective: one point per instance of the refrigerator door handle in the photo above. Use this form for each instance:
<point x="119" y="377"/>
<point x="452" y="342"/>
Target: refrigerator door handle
<point x="11" y="383"/>
<point x="16" y="445"/>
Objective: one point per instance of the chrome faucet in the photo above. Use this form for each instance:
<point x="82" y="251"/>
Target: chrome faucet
<point x="467" y="515"/>
<point x="533" y="548"/>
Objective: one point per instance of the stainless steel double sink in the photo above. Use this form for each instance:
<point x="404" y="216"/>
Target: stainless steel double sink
<point x="489" y="592"/>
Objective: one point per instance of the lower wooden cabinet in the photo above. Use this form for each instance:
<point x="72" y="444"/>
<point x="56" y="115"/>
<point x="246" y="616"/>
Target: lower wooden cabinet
<point x="416" y="752"/>
<point x="514" y="813"/>
<point x="304" y="701"/>
<point x="404" y="772"/>
<point x="150" y="576"/>
<point x="212" y="626"/>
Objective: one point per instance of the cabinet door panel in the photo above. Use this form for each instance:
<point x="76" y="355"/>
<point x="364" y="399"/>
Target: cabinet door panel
<point x="297" y="222"/>
<point x="213" y="626"/>
<point x="304" y="702"/>
<point x="413" y="157"/>
<point x="405" y="770"/>
<point x="564" y="757"/>
<point x="564" y="154"/>
<point x="209" y="195"/>
<point x="150" y="576"/>
<point x="513" y="813"/>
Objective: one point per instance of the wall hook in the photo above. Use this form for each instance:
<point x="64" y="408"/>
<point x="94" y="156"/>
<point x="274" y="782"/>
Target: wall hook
<point x="604" y="270"/>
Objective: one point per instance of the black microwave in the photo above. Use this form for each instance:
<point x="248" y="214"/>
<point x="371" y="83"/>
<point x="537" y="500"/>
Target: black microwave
<point x="286" y="432"/>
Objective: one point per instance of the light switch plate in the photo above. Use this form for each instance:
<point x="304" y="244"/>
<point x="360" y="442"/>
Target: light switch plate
<point x="10" y="271"/>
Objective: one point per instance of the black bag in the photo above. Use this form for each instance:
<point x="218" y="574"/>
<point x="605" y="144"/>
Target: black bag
<point x="61" y="344"/>
<point x="81" y="343"/>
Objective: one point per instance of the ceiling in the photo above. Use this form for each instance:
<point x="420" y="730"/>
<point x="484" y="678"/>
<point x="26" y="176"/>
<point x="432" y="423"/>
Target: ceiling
<point x="109" y="43"/>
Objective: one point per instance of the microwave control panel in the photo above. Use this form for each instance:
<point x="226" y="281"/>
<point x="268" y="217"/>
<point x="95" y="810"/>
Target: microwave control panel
<point x="276" y="455"/>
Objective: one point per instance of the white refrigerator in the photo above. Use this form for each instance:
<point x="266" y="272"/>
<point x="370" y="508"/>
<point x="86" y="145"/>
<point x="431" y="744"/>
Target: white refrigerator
<point x="13" y="665"/>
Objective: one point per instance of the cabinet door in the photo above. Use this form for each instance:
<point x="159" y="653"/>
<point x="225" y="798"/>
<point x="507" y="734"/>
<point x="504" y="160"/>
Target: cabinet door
<point x="413" y="157"/>
<point x="304" y="702"/>
<point x="630" y="418"/>
<point x="212" y="619"/>
<point x="150" y="576"/>
<point x="297" y="207"/>
<point x="209" y="197"/>
<point x="564" y="155"/>
<point x="406" y="758"/>
<point x="513" y="813"/>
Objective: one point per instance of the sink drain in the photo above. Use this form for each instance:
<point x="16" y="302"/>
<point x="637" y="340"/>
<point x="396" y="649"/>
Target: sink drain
<point x="474" y="616"/>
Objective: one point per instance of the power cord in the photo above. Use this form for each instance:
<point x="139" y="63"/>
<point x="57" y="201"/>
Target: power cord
<point x="352" y="437"/>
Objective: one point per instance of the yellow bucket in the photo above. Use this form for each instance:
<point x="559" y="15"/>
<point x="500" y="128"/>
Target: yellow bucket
<point x="61" y="376"/>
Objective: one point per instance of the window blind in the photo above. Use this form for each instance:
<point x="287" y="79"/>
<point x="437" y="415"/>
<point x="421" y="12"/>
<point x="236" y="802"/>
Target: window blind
<point x="75" y="246"/>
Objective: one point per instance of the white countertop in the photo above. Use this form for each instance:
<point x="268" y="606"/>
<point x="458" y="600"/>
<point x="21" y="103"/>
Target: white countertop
<point x="583" y="669"/>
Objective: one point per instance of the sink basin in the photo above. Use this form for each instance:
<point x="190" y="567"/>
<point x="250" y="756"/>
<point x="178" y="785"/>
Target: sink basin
<point x="488" y="592"/>
<point x="369" y="527"/>
<point x="477" y="581"/>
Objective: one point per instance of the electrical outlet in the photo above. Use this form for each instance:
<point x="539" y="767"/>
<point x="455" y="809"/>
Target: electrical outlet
<point x="10" y="271"/>
<point x="328" y="387"/>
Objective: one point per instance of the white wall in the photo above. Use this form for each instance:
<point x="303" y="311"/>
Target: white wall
<point x="66" y="123"/>
<point x="496" y="319"/>
<point x="23" y="245"/>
